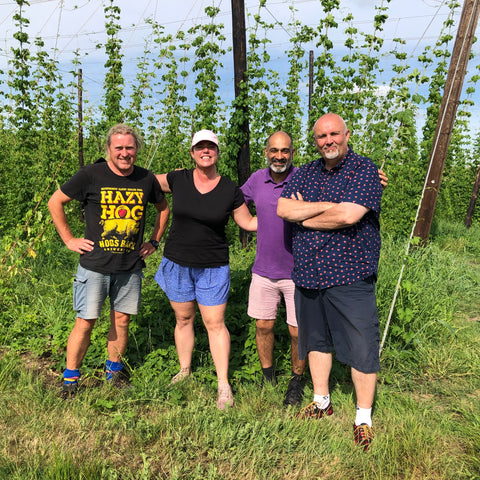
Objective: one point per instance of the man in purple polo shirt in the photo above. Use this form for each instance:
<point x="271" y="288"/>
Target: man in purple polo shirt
<point x="271" y="272"/>
<point x="334" y="204"/>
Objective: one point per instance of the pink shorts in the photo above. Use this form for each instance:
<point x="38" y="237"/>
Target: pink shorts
<point x="265" y="296"/>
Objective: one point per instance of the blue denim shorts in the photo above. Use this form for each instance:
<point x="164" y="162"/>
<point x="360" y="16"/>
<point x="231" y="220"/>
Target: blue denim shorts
<point x="343" y="318"/>
<point x="208" y="286"/>
<point x="90" y="290"/>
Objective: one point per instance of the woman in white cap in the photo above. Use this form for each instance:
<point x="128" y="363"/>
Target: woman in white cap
<point x="194" y="269"/>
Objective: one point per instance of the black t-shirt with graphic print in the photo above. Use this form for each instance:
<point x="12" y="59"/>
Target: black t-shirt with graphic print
<point x="115" y="208"/>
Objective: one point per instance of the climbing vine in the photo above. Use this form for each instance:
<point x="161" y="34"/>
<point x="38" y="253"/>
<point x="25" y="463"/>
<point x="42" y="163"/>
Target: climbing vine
<point x="389" y="99"/>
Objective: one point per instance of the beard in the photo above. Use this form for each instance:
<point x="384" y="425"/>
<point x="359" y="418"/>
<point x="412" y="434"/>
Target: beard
<point x="280" y="169"/>
<point x="331" y="154"/>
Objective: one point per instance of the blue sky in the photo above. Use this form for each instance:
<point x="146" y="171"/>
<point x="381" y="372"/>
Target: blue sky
<point x="69" y="25"/>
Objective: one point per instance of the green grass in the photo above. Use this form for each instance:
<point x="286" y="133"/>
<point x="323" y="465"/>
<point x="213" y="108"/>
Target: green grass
<point x="426" y="429"/>
<point x="426" y="412"/>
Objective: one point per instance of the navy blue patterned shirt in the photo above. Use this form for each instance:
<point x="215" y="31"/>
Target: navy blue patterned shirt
<point x="323" y="259"/>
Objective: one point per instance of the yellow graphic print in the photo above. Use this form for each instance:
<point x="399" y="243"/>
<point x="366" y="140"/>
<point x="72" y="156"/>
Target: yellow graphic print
<point x="122" y="209"/>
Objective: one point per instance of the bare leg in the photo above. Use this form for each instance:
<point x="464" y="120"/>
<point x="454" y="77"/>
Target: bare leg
<point x="117" y="337"/>
<point x="265" y="340"/>
<point x="184" y="332"/>
<point x="78" y="342"/>
<point x="364" y="384"/>
<point x="320" y="366"/>
<point x="298" y="366"/>
<point x="218" y="337"/>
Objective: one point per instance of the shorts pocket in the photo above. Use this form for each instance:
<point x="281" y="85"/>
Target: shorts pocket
<point x="79" y="292"/>
<point x="80" y="276"/>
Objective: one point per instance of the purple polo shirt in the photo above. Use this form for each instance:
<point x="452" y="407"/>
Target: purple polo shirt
<point x="274" y="235"/>
<point x="323" y="259"/>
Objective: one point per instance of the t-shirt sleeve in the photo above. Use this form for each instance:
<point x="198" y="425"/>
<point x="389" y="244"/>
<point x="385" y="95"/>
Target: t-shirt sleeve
<point x="365" y="188"/>
<point x="239" y="199"/>
<point x="157" y="194"/>
<point x="178" y="177"/>
<point x="171" y="176"/>
<point x="75" y="187"/>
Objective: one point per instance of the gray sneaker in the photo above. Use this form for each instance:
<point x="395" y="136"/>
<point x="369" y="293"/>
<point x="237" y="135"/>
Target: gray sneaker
<point x="69" y="391"/>
<point x="181" y="375"/>
<point x="120" y="380"/>
<point x="225" y="396"/>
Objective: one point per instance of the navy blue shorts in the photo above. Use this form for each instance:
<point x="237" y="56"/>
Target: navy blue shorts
<point x="344" y="318"/>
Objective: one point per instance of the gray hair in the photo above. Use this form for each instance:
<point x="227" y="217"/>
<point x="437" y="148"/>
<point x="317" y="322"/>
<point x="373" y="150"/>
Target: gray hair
<point x="122" y="129"/>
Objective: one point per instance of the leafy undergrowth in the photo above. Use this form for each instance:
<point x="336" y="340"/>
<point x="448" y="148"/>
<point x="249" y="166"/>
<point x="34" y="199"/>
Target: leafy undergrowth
<point x="426" y="424"/>
<point x="426" y="415"/>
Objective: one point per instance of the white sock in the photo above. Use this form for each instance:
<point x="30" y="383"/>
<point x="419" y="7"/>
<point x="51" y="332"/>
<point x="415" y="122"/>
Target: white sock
<point x="364" y="415"/>
<point x="322" y="400"/>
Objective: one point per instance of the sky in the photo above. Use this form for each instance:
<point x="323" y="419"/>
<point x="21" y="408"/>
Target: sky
<point x="70" y="25"/>
<point x="79" y="24"/>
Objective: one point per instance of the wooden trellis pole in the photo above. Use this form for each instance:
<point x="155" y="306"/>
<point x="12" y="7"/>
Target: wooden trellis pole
<point x="240" y="68"/>
<point x="473" y="200"/>
<point x="446" y="117"/>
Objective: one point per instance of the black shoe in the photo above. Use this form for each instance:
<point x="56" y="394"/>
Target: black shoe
<point x="120" y="380"/>
<point x="69" y="391"/>
<point x="294" y="395"/>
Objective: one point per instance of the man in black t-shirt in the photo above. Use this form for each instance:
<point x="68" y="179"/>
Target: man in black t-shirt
<point x="115" y="194"/>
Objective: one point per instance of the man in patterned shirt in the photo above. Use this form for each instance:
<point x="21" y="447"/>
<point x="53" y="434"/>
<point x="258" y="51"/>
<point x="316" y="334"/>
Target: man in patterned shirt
<point x="335" y="204"/>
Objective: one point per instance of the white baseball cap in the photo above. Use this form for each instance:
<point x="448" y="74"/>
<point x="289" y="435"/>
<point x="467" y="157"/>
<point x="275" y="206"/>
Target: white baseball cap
<point x="204" y="135"/>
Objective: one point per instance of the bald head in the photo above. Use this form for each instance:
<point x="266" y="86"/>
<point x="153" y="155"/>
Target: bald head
<point x="280" y="136"/>
<point x="332" y="118"/>
<point x="331" y="136"/>
<point x="279" y="152"/>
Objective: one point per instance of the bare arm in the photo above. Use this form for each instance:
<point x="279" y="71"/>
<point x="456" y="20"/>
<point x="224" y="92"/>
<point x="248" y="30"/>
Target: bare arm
<point x="56" y="205"/>
<point x="162" y="180"/>
<point x="161" y="221"/>
<point x="244" y="219"/>
<point x="341" y="215"/>
<point x="295" y="209"/>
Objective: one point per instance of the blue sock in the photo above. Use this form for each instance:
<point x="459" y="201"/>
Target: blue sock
<point x="71" y="376"/>
<point x="112" y="367"/>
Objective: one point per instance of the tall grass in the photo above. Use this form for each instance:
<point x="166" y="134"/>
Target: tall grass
<point x="426" y="415"/>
